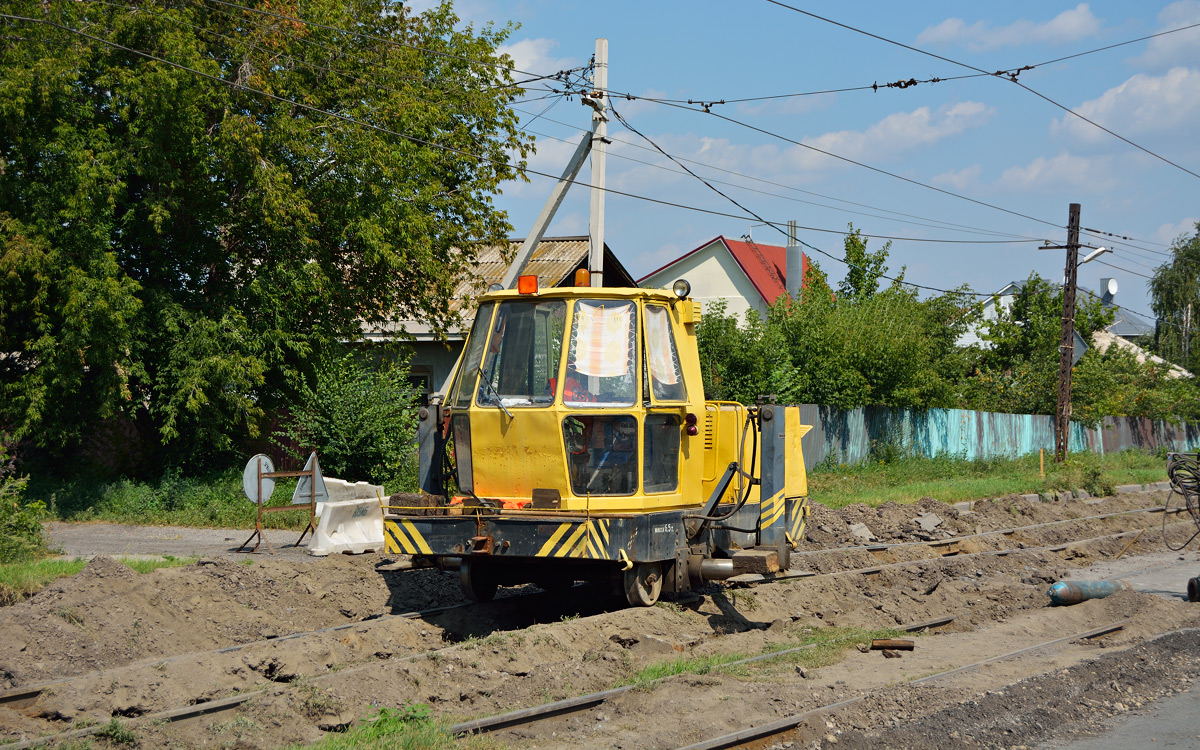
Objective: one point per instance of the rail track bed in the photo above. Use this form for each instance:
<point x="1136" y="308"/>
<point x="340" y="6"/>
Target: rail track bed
<point x="223" y="654"/>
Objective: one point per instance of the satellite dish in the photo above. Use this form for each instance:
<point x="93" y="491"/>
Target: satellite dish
<point x="1112" y="287"/>
<point x="259" y="465"/>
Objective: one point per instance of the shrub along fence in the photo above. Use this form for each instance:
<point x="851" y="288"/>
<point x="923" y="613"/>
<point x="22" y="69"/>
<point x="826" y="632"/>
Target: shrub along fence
<point x="856" y="435"/>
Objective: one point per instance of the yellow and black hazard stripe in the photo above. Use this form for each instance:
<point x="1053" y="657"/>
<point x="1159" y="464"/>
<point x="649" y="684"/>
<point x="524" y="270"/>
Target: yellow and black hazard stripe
<point x="800" y="511"/>
<point x="771" y="509"/>
<point x="586" y="540"/>
<point x="403" y="537"/>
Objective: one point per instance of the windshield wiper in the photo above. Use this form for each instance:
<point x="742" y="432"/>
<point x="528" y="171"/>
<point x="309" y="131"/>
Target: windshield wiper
<point x="499" y="404"/>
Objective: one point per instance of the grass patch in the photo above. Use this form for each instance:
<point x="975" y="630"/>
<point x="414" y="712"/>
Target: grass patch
<point x="908" y="479"/>
<point x="24" y="579"/>
<point x="410" y="727"/>
<point x="214" y="500"/>
<point x="827" y="647"/>
<point x="117" y="733"/>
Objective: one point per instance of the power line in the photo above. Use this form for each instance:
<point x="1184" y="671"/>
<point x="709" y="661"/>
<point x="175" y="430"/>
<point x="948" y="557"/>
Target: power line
<point x="1120" y="268"/>
<point x="792" y="188"/>
<point x="878" y="170"/>
<point x="899" y="84"/>
<point x="764" y="221"/>
<point x="1011" y="77"/>
<point x="1127" y="239"/>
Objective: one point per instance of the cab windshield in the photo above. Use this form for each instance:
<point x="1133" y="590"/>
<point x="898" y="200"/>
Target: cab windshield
<point x="520" y="365"/>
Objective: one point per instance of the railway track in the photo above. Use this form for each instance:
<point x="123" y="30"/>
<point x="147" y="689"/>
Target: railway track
<point x="21" y="698"/>
<point x="744" y="737"/>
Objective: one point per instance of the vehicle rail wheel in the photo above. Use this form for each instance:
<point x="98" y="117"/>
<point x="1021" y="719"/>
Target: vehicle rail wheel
<point x="478" y="583"/>
<point x="643" y="584"/>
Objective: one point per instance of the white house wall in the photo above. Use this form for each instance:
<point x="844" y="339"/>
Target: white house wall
<point x="714" y="275"/>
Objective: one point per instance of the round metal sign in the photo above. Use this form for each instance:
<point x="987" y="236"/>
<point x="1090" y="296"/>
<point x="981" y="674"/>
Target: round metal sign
<point x="251" y="483"/>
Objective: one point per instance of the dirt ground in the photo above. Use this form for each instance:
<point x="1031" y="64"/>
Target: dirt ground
<point x="116" y="643"/>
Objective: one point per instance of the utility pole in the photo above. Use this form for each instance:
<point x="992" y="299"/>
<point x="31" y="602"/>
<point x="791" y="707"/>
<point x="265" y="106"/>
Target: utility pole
<point x="1066" y="349"/>
<point x="599" y="101"/>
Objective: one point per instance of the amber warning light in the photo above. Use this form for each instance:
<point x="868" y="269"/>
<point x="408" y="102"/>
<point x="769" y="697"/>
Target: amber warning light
<point x="527" y="284"/>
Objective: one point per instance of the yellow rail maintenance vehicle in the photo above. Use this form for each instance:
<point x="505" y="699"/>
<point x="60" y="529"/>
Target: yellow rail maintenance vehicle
<point x="580" y="446"/>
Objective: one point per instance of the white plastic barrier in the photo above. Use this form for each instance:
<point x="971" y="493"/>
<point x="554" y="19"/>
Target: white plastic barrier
<point x="351" y="521"/>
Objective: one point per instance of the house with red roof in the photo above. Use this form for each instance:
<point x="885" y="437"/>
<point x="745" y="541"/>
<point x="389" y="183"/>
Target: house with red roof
<point x="748" y="275"/>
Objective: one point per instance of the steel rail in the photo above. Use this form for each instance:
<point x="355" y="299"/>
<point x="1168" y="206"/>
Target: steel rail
<point x="788" y="723"/>
<point x="21" y="696"/>
<point x="567" y="705"/>
<point x="1004" y="532"/>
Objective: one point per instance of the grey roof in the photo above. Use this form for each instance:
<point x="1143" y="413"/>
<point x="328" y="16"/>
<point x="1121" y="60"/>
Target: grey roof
<point x="553" y="261"/>
<point x="1126" y="323"/>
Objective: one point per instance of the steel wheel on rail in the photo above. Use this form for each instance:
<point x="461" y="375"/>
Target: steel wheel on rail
<point x="643" y="584"/>
<point x="477" y="581"/>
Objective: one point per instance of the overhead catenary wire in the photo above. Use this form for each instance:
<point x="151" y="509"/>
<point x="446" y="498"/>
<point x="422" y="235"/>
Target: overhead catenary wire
<point x="1012" y="77"/>
<point x="775" y="225"/>
<point x="901" y="83"/>
<point x="942" y="223"/>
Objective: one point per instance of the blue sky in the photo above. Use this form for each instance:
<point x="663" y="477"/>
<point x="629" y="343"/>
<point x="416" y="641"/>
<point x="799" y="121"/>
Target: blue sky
<point x="983" y="138"/>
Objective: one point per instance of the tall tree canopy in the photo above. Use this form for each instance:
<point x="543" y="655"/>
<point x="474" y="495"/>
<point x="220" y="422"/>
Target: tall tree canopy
<point x="181" y="236"/>
<point x="1175" y="299"/>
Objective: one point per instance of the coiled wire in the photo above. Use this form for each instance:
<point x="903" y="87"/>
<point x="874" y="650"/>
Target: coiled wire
<point x="1183" y="469"/>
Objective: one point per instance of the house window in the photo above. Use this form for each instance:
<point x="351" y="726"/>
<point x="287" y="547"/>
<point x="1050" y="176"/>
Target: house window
<point x="420" y="378"/>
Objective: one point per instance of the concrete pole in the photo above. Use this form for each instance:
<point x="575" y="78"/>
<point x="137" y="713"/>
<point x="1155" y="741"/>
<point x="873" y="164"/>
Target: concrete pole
<point x="599" y="143"/>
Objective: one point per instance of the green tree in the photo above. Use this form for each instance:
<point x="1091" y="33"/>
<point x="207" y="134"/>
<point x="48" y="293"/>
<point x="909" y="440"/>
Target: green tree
<point x="859" y="346"/>
<point x="864" y="268"/>
<point x="179" y="246"/>
<point x="1018" y="371"/>
<point x="1175" y="299"/>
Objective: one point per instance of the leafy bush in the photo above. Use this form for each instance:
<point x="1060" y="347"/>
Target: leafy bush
<point x="20" y="522"/>
<point x="360" y="421"/>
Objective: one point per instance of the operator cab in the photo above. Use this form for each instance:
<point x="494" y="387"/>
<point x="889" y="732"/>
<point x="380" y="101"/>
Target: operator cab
<point x="581" y="391"/>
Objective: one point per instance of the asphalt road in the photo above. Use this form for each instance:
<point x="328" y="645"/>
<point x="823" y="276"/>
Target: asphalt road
<point x="88" y="540"/>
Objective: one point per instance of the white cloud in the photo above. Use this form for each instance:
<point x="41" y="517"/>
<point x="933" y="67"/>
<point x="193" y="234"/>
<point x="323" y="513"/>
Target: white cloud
<point x="1178" y="48"/>
<point x="1068" y="26"/>
<point x="1144" y="104"/>
<point x="1168" y="233"/>
<point x="958" y="179"/>
<point x="1060" y="172"/>
<point x="894" y="134"/>
<point x="534" y="56"/>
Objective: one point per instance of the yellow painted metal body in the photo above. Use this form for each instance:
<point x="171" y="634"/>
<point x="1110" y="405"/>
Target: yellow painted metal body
<point x="520" y="448"/>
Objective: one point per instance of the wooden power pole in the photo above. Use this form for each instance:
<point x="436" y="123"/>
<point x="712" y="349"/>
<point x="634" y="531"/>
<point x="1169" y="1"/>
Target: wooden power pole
<point x="1066" y="348"/>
